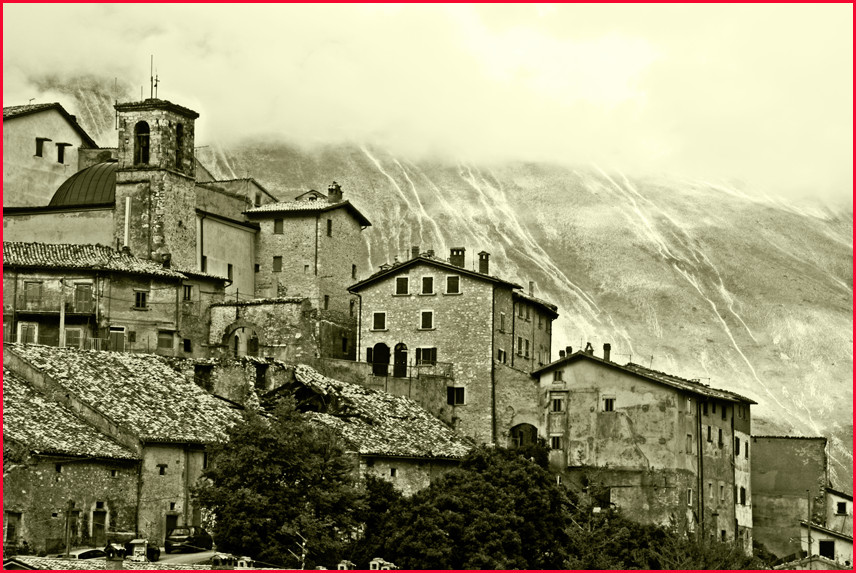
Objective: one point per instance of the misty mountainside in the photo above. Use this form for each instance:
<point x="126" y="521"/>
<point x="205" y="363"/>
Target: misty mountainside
<point x="698" y="279"/>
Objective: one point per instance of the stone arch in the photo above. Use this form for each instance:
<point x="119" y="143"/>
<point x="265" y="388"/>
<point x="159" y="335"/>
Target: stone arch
<point x="242" y="338"/>
<point x="523" y="435"/>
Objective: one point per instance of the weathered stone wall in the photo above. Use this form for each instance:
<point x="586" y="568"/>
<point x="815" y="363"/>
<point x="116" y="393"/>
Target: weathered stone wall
<point x="222" y="244"/>
<point x="718" y="465"/>
<point x="40" y="493"/>
<point x="842" y="522"/>
<point x="535" y="327"/>
<point x="297" y="246"/>
<point x="78" y="227"/>
<point x="196" y="315"/>
<point x="337" y="254"/>
<point x="242" y="381"/>
<point x="161" y="313"/>
<point x="462" y="334"/>
<point x="215" y="198"/>
<point x="411" y="475"/>
<point x="785" y="473"/>
<point x="28" y="179"/>
<point x="163" y="126"/>
<point x="519" y="400"/>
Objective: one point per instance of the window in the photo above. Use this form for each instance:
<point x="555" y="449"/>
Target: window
<point x="162" y="469"/>
<point x="329" y="227"/>
<point x="230" y="272"/>
<point x="188" y="292"/>
<point x="724" y="412"/>
<point x="351" y="305"/>
<point x="519" y="346"/>
<point x="28" y="332"/>
<point x="393" y="472"/>
<point x="83" y="301"/>
<point x="257" y="267"/>
<point x="609" y="404"/>
<point x="326" y="302"/>
<point x="427" y="321"/>
<point x="558" y="405"/>
<point x="187" y="344"/>
<point x="40" y="146"/>
<point x="402" y="285"/>
<point x="58" y="468"/>
<point x="427" y="285"/>
<point x="540" y="322"/>
<point x="32" y="294"/>
<point x="689" y="445"/>
<point x="277" y="264"/>
<point x="527" y="312"/>
<point x="11" y="526"/>
<point x="114" y="473"/>
<point x="689" y="496"/>
<point x="557" y="376"/>
<point x="736" y="446"/>
<point x="704" y="409"/>
<point x="713" y="408"/>
<point x="827" y="548"/>
<point x="165" y="339"/>
<point x="710" y="490"/>
<point x="519" y="310"/>
<point x="277" y="226"/>
<point x="305" y="269"/>
<point x="60" y="152"/>
<point x="709" y="439"/>
<point x="141" y="143"/>
<point x="502" y="322"/>
<point x="73" y="337"/>
<point x="689" y="405"/>
<point x="379" y="321"/>
<point x="455" y="395"/>
<point x="344" y="345"/>
<point x="526" y="345"/>
<point x="742" y="496"/>
<point x="722" y="535"/>
<point x="721" y="492"/>
<point x="841" y="508"/>
<point x="719" y="441"/>
<point x="204" y="460"/>
<point x="555" y="442"/>
<point x="204" y="264"/>
<point x="140" y="299"/>
<point x="353" y="271"/>
<point x="426" y="356"/>
<point x="502" y="355"/>
<point x="179" y="144"/>
<point x="172" y="506"/>
<point x="746" y="450"/>
<point x="258" y="199"/>
<point x="453" y="285"/>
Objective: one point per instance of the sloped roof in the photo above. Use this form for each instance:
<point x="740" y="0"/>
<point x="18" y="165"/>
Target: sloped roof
<point x="139" y="391"/>
<point x="844" y="494"/>
<point x="155" y="103"/>
<point x="15" y="111"/>
<point x="55" y="564"/>
<point x="548" y="306"/>
<point x="46" y="427"/>
<point x="94" y="185"/>
<point x="426" y="259"/>
<point x="839" y="534"/>
<point x="297" y="208"/>
<point x="66" y="256"/>
<point x="233" y="185"/>
<point x="653" y="375"/>
<point x="377" y="423"/>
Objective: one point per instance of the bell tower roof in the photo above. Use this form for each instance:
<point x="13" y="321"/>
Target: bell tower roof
<point x="153" y="104"/>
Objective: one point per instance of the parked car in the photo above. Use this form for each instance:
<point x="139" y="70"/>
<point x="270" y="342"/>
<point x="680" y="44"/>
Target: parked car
<point x="188" y="537"/>
<point x="82" y="554"/>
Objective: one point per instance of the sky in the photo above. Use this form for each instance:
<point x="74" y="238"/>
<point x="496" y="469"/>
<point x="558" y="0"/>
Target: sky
<point x="757" y="95"/>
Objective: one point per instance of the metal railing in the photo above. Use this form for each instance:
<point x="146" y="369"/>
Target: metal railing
<point x="412" y="370"/>
<point x="52" y="302"/>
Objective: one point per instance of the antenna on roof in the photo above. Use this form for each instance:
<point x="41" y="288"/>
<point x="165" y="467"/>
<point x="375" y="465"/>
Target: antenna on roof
<point x="151" y="76"/>
<point x="31" y="100"/>
<point x="156" y="84"/>
<point x="651" y="362"/>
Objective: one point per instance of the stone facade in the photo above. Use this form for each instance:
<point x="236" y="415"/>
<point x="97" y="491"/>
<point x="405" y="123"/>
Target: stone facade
<point x="77" y="226"/>
<point x="408" y="475"/>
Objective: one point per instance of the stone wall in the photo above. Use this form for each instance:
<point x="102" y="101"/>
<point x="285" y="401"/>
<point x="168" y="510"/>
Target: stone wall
<point x="142" y="326"/>
<point x="407" y="475"/>
<point x="41" y="490"/>
<point x="196" y="315"/>
<point x="76" y="227"/>
<point x="223" y="244"/>
<point x="163" y="126"/>
<point x="297" y="246"/>
<point x="519" y="400"/>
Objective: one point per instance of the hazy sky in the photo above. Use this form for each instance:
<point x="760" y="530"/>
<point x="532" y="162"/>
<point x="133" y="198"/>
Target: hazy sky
<point x="756" y="93"/>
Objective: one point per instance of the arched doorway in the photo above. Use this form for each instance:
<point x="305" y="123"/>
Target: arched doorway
<point x="380" y="359"/>
<point x="399" y="368"/>
<point x="141" y="143"/>
<point x="523" y="435"/>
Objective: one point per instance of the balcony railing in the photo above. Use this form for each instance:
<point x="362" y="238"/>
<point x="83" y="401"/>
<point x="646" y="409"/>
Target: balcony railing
<point x="51" y="303"/>
<point x="413" y="370"/>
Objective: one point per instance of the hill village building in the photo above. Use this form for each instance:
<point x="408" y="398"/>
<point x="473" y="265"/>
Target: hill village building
<point x="223" y="288"/>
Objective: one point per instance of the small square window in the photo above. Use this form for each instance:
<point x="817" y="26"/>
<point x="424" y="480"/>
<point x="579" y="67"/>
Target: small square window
<point x="257" y="267"/>
<point x="172" y="506"/>
<point x="114" y="473"/>
<point x="277" y="264"/>
<point x="427" y="321"/>
<point x="558" y="405"/>
<point x="188" y="345"/>
<point x="99" y="505"/>
<point x="165" y="340"/>
<point x="379" y="321"/>
<point x="557" y="376"/>
<point x="162" y="469"/>
<point x="455" y="395"/>
<point x="58" y="468"/>
<point x="609" y="404"/>
<point x="40" y="146"/>
<point x="841" y="508"/>
<point x="453" y="285"/>
<point x="141" y="299"/>
<point x="277" y="227"/>
<point x="555" y="442"/>
<point x="393" y="472"/>
<point x="188" y="292"/>
<point x="402" y="285"/>
<point x="427" y="285"/>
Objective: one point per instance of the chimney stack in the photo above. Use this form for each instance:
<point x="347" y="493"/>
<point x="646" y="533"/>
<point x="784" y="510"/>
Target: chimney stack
<point x="414" y="251"/>
<point x="531" y="288"/>
<point x="430" y="253"/>
<point x="589" y="349"/>
<point x="456" y="257"/>
<point x="561" y="354"/>
<point x="569" y="350"/>
<point x="334" y="193"/>
<point x="606" y="348"/>
<point x="484" y="263"/>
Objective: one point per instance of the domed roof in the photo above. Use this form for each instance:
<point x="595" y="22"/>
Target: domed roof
<point x="91" y="186"/>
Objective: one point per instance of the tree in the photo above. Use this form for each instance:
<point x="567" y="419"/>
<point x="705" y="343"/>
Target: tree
<point x="498" y="510"/>
<point x="279" y="480"/>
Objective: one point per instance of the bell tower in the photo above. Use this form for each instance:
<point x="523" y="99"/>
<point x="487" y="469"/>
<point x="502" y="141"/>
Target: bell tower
<point x="155" y="181"/>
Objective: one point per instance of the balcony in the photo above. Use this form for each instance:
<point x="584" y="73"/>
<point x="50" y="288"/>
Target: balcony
<point x="413" y="370"/>
<point x="51" y="304"/>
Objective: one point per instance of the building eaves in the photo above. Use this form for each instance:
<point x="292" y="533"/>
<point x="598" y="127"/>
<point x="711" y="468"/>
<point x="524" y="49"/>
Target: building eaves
<point x="45" y="427"/>
<point x="549" y="307"/>
<point x="154" y="103"/>
<point x="245" y="224"/>
<point x="57" y="564"/>
<point x="16" y="111"/>
<point x="68" y="256"/>
<point x="252" y="180"/>
<point x="649" y="374"/>
<point x="839" y="493"/>
<point x="260" y="301"/>
<point x="828" y="531"/>
<point x="770" y="437"/>
<point x="422" y="258"/>
<point x="298" y="208"/>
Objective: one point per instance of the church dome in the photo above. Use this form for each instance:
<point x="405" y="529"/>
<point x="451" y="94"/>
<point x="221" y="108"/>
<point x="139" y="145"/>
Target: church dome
<point x="91" y="186"/>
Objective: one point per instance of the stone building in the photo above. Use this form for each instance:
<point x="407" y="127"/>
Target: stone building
<point x="663" y="448"/>
<point x="41" y="143"/>
<point x="155" y="422"/>
<point x="467" y="332"/>
<point x="91" y="296"/>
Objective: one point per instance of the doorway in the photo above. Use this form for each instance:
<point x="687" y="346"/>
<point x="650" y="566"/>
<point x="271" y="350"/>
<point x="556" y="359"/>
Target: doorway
<point x="99" y="527"/>
<point x="380" y="359"/>
<point x="399" y="369"/>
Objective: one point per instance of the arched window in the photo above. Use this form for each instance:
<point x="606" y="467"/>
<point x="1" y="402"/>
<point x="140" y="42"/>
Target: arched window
<point x="179" y="144"/>
<point x="141" y="143"/>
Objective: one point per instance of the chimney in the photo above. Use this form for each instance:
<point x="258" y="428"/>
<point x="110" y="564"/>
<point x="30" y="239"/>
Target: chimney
<point x="334" y="193"/>
<point x="569" y="350"/>
<point x="430" y="253"/>
<point x="457" y="256"/>
<point x="414" y="251"/>
<point x="385" y="266"/>
<point x="589" y="348"/>
<point x="606" y="348"/>
<point x="484" y="263"/>
<point x="561" y="354"/>
<point x="531" y="288"/>
<point x="166" y="260"/>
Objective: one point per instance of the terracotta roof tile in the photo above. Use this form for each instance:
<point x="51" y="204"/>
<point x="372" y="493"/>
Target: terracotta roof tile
<point x="139" y="391"/>
<point x="13" y="111"/>
<point x="306" y="206"/>
<point x="54" y="564"/>
<point x="46" y="427"/>
<point x="66" y="256"/>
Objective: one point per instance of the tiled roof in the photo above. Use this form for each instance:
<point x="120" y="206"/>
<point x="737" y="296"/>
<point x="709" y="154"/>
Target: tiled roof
<point x="46" y="427"/>
<point x="65" y="256"/>
<point x="424" y="258"/>
<point x="231" y="184"/>
<point x="840" y="493"/>
<point x="100" y="564"/>
<point x="13" y="111"/>
<point x="541" y="302"/>
<point x="377" y="423"/>
<point x="304" y="206"/>
<point x="654" y="375"/>
<point x="139" y="391"/>
<point x="155" y="103"/>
